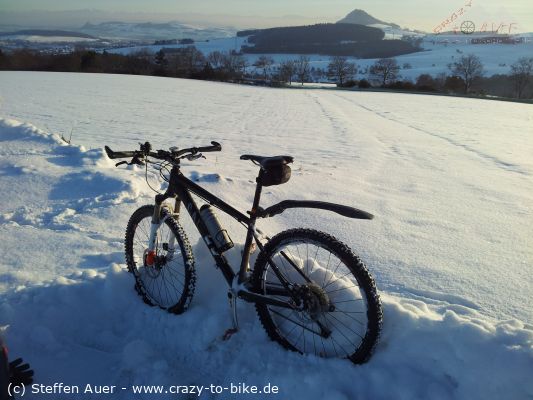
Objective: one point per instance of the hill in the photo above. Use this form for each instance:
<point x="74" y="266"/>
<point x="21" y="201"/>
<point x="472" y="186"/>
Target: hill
<point x="361" y="17"/>
<point x="47" y="33"/>
<point x="327" y="39"/>
<point x="154" y="31"/>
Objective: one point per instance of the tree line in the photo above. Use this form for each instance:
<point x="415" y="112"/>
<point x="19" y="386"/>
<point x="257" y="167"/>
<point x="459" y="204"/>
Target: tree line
<point x="466" y="74"/>
<point x="185" y="62"/>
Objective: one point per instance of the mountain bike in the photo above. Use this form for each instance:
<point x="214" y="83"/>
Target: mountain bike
<point x="311" y="292"/>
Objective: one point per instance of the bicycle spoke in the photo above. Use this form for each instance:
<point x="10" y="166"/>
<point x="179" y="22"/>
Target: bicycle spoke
<point x="327" y="269"/>
<point x="347" y="327"/>
<point x="346" y="274"/>
<point x="294" y="322"/>
<point x="344" y="288"/>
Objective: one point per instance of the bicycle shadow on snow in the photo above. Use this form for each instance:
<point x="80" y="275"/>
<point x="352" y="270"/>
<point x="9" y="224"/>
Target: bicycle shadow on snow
<point x="92" y="328"/>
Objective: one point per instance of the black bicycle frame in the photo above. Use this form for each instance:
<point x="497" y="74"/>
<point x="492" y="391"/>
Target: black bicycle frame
<point x="181" y="188"/>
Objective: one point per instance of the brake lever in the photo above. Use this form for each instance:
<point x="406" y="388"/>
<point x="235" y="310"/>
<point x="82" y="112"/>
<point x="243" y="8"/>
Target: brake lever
<point x="135" y="161"/>
<point x="192" y="157"/>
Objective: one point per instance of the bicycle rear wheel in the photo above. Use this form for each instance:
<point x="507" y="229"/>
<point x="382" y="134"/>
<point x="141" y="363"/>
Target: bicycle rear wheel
<point x="338" y="311"/>
<point x="169" y="282"/>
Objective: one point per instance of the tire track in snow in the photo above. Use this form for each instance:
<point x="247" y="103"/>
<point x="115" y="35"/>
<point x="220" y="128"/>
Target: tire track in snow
<point x="487" y="157"/>
<point x="357" y="145"/>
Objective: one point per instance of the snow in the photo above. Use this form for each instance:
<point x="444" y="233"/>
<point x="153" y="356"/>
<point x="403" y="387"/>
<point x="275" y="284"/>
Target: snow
<point x="449" y="180"/>
<point x="49" y="39"/>
<point x="205" y="46"/>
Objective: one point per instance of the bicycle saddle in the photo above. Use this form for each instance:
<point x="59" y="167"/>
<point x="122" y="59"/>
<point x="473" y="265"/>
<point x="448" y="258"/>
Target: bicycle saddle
<point x="268" y="161"/>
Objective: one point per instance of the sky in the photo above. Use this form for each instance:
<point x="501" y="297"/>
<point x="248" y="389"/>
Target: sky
<point x="415" y="14"/>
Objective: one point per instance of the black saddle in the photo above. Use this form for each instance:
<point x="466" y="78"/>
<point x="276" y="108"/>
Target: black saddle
<point x="274" y="170"/>
<point x="267" y="162"/>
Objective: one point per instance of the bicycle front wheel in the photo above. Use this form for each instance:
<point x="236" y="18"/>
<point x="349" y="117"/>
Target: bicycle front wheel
<point x="337" y="311"/>
<point x="169" y="281"/>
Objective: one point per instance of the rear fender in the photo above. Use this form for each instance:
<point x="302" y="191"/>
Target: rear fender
<point x="345" y="211"/>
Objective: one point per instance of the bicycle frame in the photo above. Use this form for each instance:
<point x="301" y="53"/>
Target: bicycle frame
<point x="181" y="188"/>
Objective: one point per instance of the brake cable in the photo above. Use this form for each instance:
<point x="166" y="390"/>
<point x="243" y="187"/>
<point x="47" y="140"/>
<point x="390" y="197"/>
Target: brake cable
<point x="146" y="175"/>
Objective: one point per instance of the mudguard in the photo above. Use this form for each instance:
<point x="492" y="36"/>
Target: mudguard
<point x="345" y="211"/>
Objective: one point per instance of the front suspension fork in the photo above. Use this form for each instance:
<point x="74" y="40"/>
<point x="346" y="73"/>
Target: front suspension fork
<point x="156" y="223"/>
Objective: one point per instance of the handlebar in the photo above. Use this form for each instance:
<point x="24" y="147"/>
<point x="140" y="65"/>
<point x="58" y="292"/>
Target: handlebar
<point x="173" y="155"/>
<point x="215" y="146"/>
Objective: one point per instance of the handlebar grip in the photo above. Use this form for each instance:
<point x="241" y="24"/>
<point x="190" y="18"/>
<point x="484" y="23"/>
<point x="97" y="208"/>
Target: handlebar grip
<point x="118" y="154"/>
<point x="215" y="147"/>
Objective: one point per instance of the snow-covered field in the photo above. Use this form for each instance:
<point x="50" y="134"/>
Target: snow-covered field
<point x="449" y="180"/>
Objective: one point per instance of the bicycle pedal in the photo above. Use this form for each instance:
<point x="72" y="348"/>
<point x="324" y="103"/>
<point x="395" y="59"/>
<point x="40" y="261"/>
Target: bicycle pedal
<point x="229" y="333"/>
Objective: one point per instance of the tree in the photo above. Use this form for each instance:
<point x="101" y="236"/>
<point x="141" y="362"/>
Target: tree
<point x="319" y="74"/>
<point x="468" y="68"/>
<point x="160" y="59"/>
<point x="88" y="61"/>
<point x="233" y="65"/>
<point x="364" y="84"/>
<point x="440" y="81"/>
<point x="264" y="63"/>
<point x="216" y="59"/>
<point x="385" y="70"/>
<point x="139" y="63"/>
<point x="287" y="69"/>
<point x="454" y="84"/>
<point x="161" y="62"/>
<point x="341" y="70"/>
<point x="425" y="82"/>
<point x="521" y="73"/>
<point x="4" y="60"/>
<point x="188" y="60"/>
<point x="302" y="69"/>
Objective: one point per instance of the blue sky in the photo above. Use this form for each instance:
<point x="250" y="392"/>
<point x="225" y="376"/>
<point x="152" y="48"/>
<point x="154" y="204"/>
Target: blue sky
<point x="412" y="13"/>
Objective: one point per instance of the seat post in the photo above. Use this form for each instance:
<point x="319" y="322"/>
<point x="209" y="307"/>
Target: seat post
<point x="257" y="196"/>
<point x="250" y="234"/>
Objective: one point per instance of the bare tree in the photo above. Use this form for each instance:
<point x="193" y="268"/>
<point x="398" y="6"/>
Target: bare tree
<point x="216" y="59"/>
<point x="468" y="68"/>
<point x="385" y="70"/>
<point x="287" y="69"/>
<point x="302" y="69"/>
<point x="187" y="60"/>
<point x="234" y="65"/>
<point x="521" y="74"/>
<point x="264" y="63"/>
<point x="341" y="70"/>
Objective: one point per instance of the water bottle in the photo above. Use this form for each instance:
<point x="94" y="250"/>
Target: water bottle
<point x="220" y="237"/>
